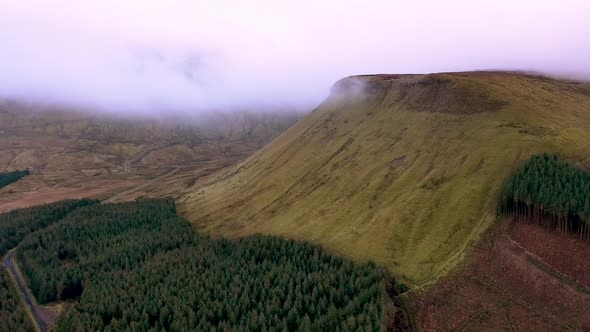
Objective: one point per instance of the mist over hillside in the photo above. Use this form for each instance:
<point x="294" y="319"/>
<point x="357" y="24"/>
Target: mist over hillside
<point x="134" y="56"/>
<point x="405" y="173"/>
<point x="76" y="152"/>
<point x="23" y="118"/>
<point x="180" y="165"/>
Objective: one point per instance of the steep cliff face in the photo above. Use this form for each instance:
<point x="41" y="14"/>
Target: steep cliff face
<point x="400" y="169"/>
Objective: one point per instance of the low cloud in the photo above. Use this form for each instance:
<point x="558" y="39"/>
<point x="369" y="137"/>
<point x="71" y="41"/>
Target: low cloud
<point x="204" y="55"/>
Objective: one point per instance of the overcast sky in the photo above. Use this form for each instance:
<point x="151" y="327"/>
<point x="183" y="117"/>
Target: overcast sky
<point x="209" y="54"/>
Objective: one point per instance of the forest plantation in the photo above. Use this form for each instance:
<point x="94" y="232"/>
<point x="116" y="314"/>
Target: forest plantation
<point x="137" y="266"/>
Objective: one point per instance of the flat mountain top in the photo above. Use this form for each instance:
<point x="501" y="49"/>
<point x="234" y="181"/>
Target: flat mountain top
<point x="400" y="169"/>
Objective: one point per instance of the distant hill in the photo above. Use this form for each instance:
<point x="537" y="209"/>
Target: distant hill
<point x="74" y="153"/>
<point x="112" y="139"/>
<point x="401" y="169"/>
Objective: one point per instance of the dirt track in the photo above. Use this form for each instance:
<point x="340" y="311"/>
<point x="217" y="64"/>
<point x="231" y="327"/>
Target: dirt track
<point x="127" y="192"/>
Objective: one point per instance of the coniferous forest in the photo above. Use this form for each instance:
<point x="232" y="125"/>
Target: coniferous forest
<point x="137" y="266"/>
<point x="14" y="226"/>
<point x="12" y="314"/>
<point x="550" y="192"/>
<point x="10" y="177"/>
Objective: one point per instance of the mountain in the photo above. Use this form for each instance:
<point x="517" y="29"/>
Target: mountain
<point x="74" y="153"/>
<point x="121" y="137"/>
<point x="404" y="170"/>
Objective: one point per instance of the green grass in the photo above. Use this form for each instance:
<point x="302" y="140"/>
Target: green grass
<point x="376" y="179"/>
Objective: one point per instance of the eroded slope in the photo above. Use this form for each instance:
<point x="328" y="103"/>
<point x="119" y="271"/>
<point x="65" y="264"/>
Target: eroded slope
<point x="401" y="169"/>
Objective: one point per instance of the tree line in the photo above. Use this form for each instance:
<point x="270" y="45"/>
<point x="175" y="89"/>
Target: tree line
<point x="10" y="177"/>
<point x="137" y="266"/>
<point x="550" y="192"/>
<point x="14" y="226"/>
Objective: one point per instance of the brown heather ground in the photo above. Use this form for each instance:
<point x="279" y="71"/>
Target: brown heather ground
<point x="521" y="278"/>
<point x="73" y="154"/>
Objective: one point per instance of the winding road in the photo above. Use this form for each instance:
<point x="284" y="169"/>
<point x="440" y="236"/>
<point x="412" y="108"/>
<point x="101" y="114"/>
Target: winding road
<point x="40" y="326"/>
<point x="23" y="290"/>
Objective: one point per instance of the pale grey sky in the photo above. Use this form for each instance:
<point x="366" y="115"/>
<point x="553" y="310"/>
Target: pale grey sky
<point x="205" y="54"/>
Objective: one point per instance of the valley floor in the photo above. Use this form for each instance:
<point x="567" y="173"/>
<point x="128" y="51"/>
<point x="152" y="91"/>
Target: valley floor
<point x="51" y="185"/>
<point x="521" y="278"/>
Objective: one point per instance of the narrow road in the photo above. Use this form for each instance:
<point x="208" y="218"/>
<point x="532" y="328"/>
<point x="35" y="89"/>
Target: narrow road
<point x="23" y="290"/>
<point x="145" y="152"/>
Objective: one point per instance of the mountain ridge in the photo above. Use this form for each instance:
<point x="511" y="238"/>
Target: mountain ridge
<point x="370" y="175"/>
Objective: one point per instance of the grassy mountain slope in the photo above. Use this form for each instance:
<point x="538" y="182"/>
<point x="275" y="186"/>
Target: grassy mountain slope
<point x="401" y="169"/>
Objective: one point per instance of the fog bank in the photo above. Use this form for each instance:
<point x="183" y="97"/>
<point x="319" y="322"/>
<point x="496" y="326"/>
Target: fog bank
<point x="204" y="55"/>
